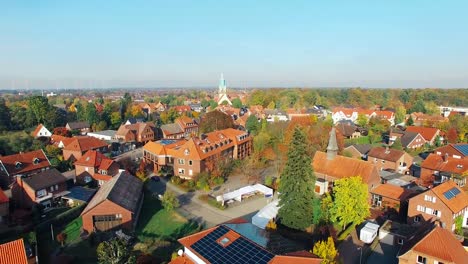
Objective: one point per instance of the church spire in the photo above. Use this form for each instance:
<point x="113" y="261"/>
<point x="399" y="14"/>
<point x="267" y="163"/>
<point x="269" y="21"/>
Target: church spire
<point x="332" y="149"/>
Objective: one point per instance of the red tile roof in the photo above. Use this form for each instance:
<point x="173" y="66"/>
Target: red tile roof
<point x="442" y="244"/>
<point x="182" y="260"/>
<point x="437" y="163"/>
<point x="385" y="153"/>
<point x="428" y="133"/>
<point x="392" y="191"/>
<point x="294" y="260"/>
<point x="13" y="252"/>
<point x="457" y="203"/>
<point x="85" y="143"/>
<point x="94" y="159"/>
<point x="3" y="197"/>
<point x="37" y="130"/>
<point x="24" y="162"/>
<point x="56" y="139"/>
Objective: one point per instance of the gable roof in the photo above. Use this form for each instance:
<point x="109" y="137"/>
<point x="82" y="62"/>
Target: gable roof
<point x="136" y="128"/>
<point x="78" y="125"/>
<point x="56" y="139"/>
<point x="441" y="244"/>
<point x="44" y="179"/>
<point x="343" y="167"/>
<point x="346" y="129"/>
<point x="392" y="191"/>
<point x="94" y="159"/>
<point x="455" y="204"/>
<point x="124" y="190"/>
<point x="24" y="162"/>
<point x="408" y="137"/>
<point x="84" y="143"/>
<point x="428" y="133"/>
<point x="13" y="252"/>
<point x="38" y="129"/>
<point x="385" y="153"/>
<point x="361" y="148"/>
<point x="453" y="165"/>
<point x="171" y="129"/>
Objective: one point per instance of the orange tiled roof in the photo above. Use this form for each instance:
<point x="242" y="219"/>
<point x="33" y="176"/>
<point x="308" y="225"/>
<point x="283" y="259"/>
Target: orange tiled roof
<point x="158" y="148"/>
<point x="457" y="203"/>
<point x="38" y="128"/>
<point x="437" y="163"/>
<point x="182" y="260"/>
<point x="385" y="154"/>
<point x="3" y="197"/>
<point x="294" y="260"/>
<point x="95" y="159"/>
<point x="57" y="138"/>
<point x="84" y="143"/>
<point x="25" y="162"/>
<point x="13" y="252"/>
<point x="392" y="191"/>
<point x="342" y="167"/>
<point x="428" y="133"/>
<point x="442" y="244"/>
<point x="137" y="128"/>
<point x="101" y="177"/>
<point x="188" y="241"/>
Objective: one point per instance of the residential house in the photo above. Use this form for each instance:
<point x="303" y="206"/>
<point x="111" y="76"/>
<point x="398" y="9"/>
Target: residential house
<point x="151" y="108"/>
<point x="421" y="119"/>
<point x="95" y="166"/>
<point x="447" y="110"/>
<point x="409" y="140"/>
<point x="330" y="166"/>
<point x="391" y="196"/>
<point x="82" y="126"/>
<point x="80" y="145"/>
<point x="440" y="168"/>
<point x="358" y="151"/>
<point x="116" y="205"/>
<point x="60" y="141"/>
<point x="182" y="109"/>
<point x="14" y="252"/>
<point x="240" y="242"/>
<point x="4" y="206"/>
<point x="348" y="131"/>
<point x="429" y="134"/>
<point x="196" y="107"/>
<point x="291" y="112"/>
<point x="107" y="135"/>
<point x="42" y="188"/>
<point x="22" y="164"/>
<point x="436" y="245"/>
<point x="351" y="114"/>
<point x="183" y="127"/>
<point x="274" y="115"/>
<point x="444" y="203"/>
<point x="457" y="151"/>
<point x="189" y="157"/>
<point x="41" y="131"/>
<point x="138" y="133"/>
<point x="385" y="158"/>
<point x="133" y="120"/>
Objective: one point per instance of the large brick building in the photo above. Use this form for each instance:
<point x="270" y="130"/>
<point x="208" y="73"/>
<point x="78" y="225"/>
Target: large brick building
<point x="23" y="164"/>
<point x="117" y="204"/>
<point x="386" y="158"/>
<point x="443" y="203"/>
<point x="80" y="145"/>
<point x="440" y="168"/>
<point x="183" y="127"/>
<point x="138" y="132"/>
<point x="189" y="157"/>
<point x="95" y="166"/>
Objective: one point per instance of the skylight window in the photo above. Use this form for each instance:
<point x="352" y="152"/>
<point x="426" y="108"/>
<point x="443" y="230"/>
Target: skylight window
<point x="224" y="241"/>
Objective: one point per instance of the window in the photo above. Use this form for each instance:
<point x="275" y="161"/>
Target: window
<point x="87" y="179"/>
<point x="421" y="260"/>
<point x="190" y="162"/>
<point x="417" y="219"/>
<point x="181" y="161"/>
<point x="400" y="241"/>
<point x="181" y="171"/>
<point x="41" y="193"/>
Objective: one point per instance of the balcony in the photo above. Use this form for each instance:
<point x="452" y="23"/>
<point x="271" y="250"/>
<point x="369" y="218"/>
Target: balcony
<point x="44" y="197"/>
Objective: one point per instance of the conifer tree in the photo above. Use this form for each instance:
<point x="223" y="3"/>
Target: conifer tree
<point x="297" y="185"/>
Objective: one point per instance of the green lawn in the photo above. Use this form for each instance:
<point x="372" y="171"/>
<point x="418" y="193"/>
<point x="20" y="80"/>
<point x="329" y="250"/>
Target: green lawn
<point x="73" y="229"/>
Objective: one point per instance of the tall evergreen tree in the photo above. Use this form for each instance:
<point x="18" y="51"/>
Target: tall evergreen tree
<point x="5" y="118"/>
<point x="297" y="185"/>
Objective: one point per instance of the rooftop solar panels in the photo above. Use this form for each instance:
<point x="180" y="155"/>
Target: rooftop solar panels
<point x="240" y="251"/>
<point x="462" y="148"/>
<point x="451" y="193"/>
<point x="166" y="141"/>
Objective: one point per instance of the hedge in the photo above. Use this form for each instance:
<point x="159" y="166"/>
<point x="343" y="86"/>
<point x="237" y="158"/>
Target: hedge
<point x="62" y="218"/>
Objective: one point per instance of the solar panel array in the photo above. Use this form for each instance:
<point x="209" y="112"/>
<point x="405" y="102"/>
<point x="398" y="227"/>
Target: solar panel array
<point x="240" y="251"/>
<point x="167" y="141"/>
<point x="462" y="148"/>
<point x="451" y="193"/>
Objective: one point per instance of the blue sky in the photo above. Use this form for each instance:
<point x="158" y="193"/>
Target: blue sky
<point x="255" y="43"/>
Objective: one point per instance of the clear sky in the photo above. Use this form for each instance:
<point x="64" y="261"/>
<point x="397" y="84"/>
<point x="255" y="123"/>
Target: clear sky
<point x="397" y="43"/>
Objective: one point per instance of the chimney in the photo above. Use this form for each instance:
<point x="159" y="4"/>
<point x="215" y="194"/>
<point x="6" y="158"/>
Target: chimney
<point x="332" y="149"/>
<point x="445" y="157"/>
<point x="387" y="150"/>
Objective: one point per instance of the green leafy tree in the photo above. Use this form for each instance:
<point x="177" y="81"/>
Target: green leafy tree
<point x="410" y="121"/>
<point x="91" y="114"/>
<point x="361" y="120"/>
<point x="237" y="103"/>
<point x="40" y="107"/>
<point x="397" y="144"/>
<point x="419" y="106"/>
<point x="115" y="251"/>
<point x="400" y="113"/>
<point x="317" y="212"/>
<point x="5" y="118"/>
<point x="115" y="120"/>
<point x="205" y="103"/>
<point x="213" y="104"/>
<point x="271" y="105"/>
<point x="350" y="204"/>
<point x="215" y="120"/>
<point x="326" y="250"/>
<point x="252" y="125"/>
<point x="170" y="201"/>
<point x="326" y="203"/>
<point x="297" y="185"/>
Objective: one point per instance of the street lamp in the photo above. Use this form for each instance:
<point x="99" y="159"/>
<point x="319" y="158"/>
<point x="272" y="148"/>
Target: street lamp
<point x="360" y="257"/>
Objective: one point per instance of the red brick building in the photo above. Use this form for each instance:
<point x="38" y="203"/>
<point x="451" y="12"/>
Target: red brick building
<point x="440" y="168"/>
<point x="457" y="151"/>
<point x="138" y="132"/>
<point x="428" y="133"/>
<point x="116" y="205"/>
<point x="386" y="158"/>
<point x="96" y="166"/>
<point x="391" y="196"/>
<point x="42" y="188"/>
<point x="80" y="145"/>
<point x="24" y="164"/>
<point x="183" y="127"/>
<point x="443" y="203"/>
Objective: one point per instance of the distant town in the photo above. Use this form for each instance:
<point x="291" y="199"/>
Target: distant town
<point x="219" y="175"/>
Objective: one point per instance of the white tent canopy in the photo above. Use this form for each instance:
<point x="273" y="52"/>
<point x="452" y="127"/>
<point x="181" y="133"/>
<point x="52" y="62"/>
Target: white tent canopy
<point x="245" y="191"/>
<point x="265" y="214"/>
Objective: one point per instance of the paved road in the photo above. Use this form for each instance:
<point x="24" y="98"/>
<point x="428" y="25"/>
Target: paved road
<point x="192" y="208"/>
<point x="132" y="154"/>
<point x="384" y="254"/>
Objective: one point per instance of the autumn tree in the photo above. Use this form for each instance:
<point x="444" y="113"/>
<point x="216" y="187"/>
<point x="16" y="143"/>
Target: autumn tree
<point x="361" y="120"/>
<point x="452" y="135"/>
<point x="326" y="251"/>
<point x="350" y="204"/>
<point x="215" y="120"/>
<point x="400" y="114"/>
<point x="115" y="251"/>
<point x="297" y="185"/>
<point x="170" y="201"/>
<point x="115" y="120"/>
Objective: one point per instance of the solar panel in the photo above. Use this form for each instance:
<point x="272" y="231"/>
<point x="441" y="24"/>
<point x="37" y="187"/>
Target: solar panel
<point x="462" y="148"/>
<point x="240" y="251"/>
<point x="451" y="193"/>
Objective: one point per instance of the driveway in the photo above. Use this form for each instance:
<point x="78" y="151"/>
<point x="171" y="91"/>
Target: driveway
<point x="384" y="254"/>
<point x="132" y="154"/>
<point x="192" y="208"/>
<point x="351" y="249"/>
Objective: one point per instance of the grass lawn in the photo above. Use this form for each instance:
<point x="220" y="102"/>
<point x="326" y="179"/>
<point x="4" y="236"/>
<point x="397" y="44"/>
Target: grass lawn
<point x="73" y="229"/>
<point x="359" y="140"/>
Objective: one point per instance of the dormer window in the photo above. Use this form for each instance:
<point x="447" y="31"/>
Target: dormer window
<point x="36" y="161"/>
<point x="18" y="164"/>
<point x="186" y="152"/>
<point x="459" y="166"/>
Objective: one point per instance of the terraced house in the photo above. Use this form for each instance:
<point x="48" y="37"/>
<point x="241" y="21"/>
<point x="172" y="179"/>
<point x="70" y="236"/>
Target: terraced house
<point x="189" y="157"/>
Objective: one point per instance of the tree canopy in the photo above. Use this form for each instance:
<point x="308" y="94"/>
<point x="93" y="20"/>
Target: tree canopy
<point x="326" y="250"/>
<point x="215" y="120"/>
<point x="115" y="251"/>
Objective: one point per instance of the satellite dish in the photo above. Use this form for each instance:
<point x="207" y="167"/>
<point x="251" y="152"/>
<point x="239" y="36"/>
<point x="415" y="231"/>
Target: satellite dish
<point x="180" y="252"/>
